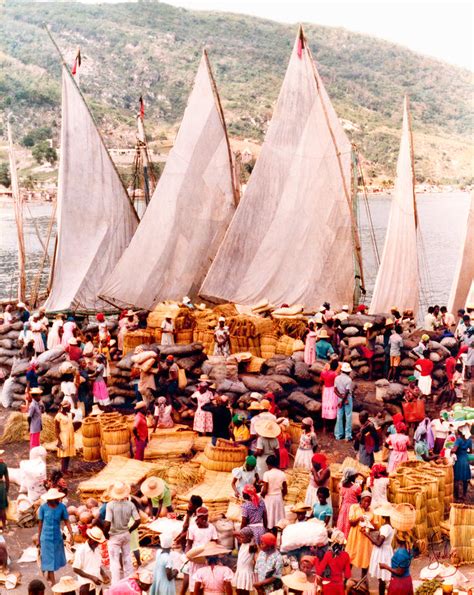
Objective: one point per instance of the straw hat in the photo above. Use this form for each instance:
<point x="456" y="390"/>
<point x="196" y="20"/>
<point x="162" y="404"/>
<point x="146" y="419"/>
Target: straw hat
<point x="425" y="337"/>
<point x="255" y="396"/>
<point x="392" y="308"/>
<point x="221" y="319"/>
<point x="119" y="491"/>
<point x="53" y="494"/>
<point x="204" y="378"/>
<point x="385" y="509"/>
<point x="95" y="533"/>
<point x="140" y="405"/>
<point x="338" y="536"/>
<point x="389" y="321"/>
<point x="300" y="507"/>
<point x="267" y="428"/>
<point x="66" y="585"/>
<point x="346" y="367"/>
<point x="130" y="313"/>
<point x="368" y="325"/>
<point x="72" y="341"/>
<point x="297" y="581"/>
<point x="95" y="410"/>
<point x="20" y="305"/>
<point x="203" y="551"/>
<point x="153" y="487"/>
<point x="345" y="308"/>
<point x="36" y="391"/>
<point x="265" y="404"/>
<point x="255" y="406"/>
<point x="186" y="299"/>
<point x="323" y="334"/>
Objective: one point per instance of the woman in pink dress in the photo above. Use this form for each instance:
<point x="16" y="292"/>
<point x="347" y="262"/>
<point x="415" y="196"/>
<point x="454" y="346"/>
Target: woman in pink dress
<point x="309" y="345"/>
<point x="202" y="419"/>
<point x="284" y="442"/>
<point x="398" y="443"/>
<point x="68" y="331"/>
<point x="349" y="493"/>
<point x="329" y="398"/>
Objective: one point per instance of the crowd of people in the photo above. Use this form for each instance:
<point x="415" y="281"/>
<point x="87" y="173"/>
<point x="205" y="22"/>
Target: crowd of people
<point x="358" y="543"/>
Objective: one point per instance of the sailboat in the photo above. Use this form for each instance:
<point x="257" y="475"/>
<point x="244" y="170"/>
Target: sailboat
<point x="462" y="288"/>
<point x="294" y="236"/>
<point x="189" y="212"/>
<point x="397" y="279"/>
<point x="95" y="217"/>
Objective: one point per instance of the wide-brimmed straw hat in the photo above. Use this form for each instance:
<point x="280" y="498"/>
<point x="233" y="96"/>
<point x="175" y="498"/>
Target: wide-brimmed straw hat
<point x="323" y="335"/>
<point x="265" y="404"/>
<point x="66" y="585"/>
<point x="53" y="494"/>
<point x="389" y="321"/>
<point x="119" y="491"/>
<point x="95" y="533"/>
<point x="297" y="581"/>
<point x="130" y="313"/>
<point x="255" y="406"/>
<point x="346" y="367"/>
<point x="153" y="487"/>
<point x="385" y="509"/>
<point x="36" y="390"/>
<point x="140" y="405"/>
<point x="300" y="507"/>
<point x="267" y="428"/>
<point x="204" y="551"/>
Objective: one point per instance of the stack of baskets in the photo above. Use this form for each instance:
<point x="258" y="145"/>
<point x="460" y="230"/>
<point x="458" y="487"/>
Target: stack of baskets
<point x="223" y="457"/>
<point x="416" y="498"/>
<point x="133" y="339"/>
<point x="298" y="480"/>
<point x="461" y="533"/>
<point x="91" y="439"/>
<point x="115" y="436"/>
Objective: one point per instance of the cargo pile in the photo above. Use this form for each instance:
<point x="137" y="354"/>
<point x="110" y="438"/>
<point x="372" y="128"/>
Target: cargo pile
<point x="9" y="334"/>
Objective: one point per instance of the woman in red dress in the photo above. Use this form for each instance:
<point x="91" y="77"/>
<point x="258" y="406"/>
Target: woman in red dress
<point x="284" y="443"/>
<point x="337" y="560"/>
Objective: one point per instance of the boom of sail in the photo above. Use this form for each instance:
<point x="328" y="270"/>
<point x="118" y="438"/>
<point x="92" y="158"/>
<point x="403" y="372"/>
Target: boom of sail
<point x="462" y="292"/>
<point x="189" y="212"/>
<point x="292" y="238"/>
<point x="95" y="217"/>
<point x="397" y="279"/>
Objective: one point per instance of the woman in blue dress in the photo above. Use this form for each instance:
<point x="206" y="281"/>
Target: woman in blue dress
<point x="165" y="574"/>
<point x="50" y="516"/>
<point x="462" y="470"/>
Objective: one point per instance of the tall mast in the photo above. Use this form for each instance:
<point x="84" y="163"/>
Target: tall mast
<point x="18" y="206"/>
<point x="142" y="159"/>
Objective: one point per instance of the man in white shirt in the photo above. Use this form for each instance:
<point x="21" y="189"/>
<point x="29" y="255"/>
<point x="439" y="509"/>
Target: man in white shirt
<point x="88" y="563"/>
<point x="431" y="322"/>
<point x="344" y="314"/>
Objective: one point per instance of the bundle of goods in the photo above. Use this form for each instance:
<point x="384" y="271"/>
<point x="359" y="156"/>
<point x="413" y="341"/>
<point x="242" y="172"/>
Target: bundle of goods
<point x="292" y="327"/>
<point x="119" y="468"/>
<point x="298" y="481"/>
<point x="224" y="456"/>
<point x="289" y="313"/>
<point x="114" y="436"/>
<point x="205" y="323"/>
<point x="91" y="439"/>
<point x="299" y="535"/>
<point x="216" y="492"/>
<point x="245" y="332"/>
<point x="133" y="339"/>
<point x="461" y="535"/>
<point x="8" y="346"/>
<point x="182" y="317"/>
<point x="286" y="345"/>
<point x="416" y="515"/>
<point x="172" y="444"/>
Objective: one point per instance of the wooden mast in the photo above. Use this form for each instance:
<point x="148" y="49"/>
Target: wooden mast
<point x="18" y="206"/>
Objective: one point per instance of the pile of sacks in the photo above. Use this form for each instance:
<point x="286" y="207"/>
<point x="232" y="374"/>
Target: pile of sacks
<point x="9" y="334"/>
<point x="52" y="365"/>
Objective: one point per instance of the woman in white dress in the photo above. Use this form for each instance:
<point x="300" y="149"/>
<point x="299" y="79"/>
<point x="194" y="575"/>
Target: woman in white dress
<point x="307" y="445"/>
<point x="244" y="573"/>
<point x="202" y="419"/>
<point x="274" y="490"/>
<point x="382" y="551"/>
<point x="167" y="331"/>
<point x="37" y="328"/>
<point x="54" y="335"/>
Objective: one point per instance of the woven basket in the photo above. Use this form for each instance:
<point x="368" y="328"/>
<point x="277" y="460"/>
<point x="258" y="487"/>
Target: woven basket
<point x="91" y="442"/>
<point x="222" y="466"/>
<point x="403" y="517"/>
<point x="295" y="430"/>
<point x="133" y="339"/>
<point x="226" y="453"/>
<point x="184" y="337"/>
<point x="91" y="454"/>
<point x="116" y="434"/>
<point x="90" y="427"/>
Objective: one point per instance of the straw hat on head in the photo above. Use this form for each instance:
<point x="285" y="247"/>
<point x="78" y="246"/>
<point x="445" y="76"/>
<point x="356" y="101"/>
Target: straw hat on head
<point x="130" y="313"/>
<point x="221" y="319"/>
<point x="345" y="308"/>
<point x="66" y="585"/>
<point x="346" y="367"/>
<point x="389" y="321"/>
<point x="119" y="491"/>
<point x="425" y="337"/>
<point x="255" y="406"/>
<point x="393" y="308"/>
<point x="368" y="325"/>
<point x="265" y="404"/>
<point x="300" y="507"/>
<point x="36" y="390"/>
<point x="53" y="494"/>
<point x="297" y="581"/>
<point x="267" y="428"/>
<point x="95" y="533"/>
<point x="255" y="396"/>
<point x="140" y="405"/>
<point x="385" y="509"/>
<point x="323" y="334"/>
<point x="205" y="551"/>
<point x="153" y="487"/>
<point x="204" y="379"/>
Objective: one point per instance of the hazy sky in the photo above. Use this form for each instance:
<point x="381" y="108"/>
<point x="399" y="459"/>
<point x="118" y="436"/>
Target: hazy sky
<point x="440" y="29"/>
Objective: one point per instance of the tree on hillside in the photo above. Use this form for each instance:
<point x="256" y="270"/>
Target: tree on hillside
<point x="36" y="135"/>
<point x="42" y="152"/>
<point x="5" y="179"/>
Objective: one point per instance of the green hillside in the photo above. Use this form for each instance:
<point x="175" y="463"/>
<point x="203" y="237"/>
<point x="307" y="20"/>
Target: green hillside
<point x="153" y="49"/>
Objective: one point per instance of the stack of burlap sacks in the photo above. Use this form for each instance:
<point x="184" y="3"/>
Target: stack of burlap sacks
<point x="8" y="346"/>
<point x="429" y="488"/>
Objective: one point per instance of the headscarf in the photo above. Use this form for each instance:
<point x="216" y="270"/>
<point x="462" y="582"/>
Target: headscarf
<point x="268" y="539"/>
<point x="270" y="397"/>
<point x="365" y="494"/>
<point x="348" y="472"/>
<point x="237" y="418"/>
<point x="251" y="460"/>
<point x="252" y="492"/>
<point x="400" y="427"/>
<point x="377" y="471"/>
<point x="320" y="459"/>
<point x="307" y="421"/>
<point x="100" y="317"/>
<point x="424" y="428"/>
<point x="397" y="418"/>
<point x="411" y="378"/>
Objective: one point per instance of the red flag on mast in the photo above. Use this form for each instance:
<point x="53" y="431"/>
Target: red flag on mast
<point x="77" y="62"/>
<point x="142" y="108"/>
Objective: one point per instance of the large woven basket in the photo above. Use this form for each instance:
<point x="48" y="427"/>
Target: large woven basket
<point x="90" y="427"/>
<point x="403" y="517"/>
<point x="116" y="434"/>
<point x="91" y="454"/>
<point x="225" y="452"/>
<point x="91" y="442"/>
<point x="222" y="466"/>
<point x="133" y="339"/>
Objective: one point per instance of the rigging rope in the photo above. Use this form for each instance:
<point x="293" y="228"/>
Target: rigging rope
<point x="367" y="208"/>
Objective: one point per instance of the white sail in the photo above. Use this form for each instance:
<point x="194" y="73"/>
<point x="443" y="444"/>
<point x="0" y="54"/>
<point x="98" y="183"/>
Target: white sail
<point x="292" y="237"/>
<point x="189" y="212"/>
<point x="95" y="217"/>
<point x="397" y="280"/>
<point x="461" y="289"/>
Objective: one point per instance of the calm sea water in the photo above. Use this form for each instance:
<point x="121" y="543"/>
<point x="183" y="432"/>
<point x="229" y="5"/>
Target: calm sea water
<point x="442" y="221"/>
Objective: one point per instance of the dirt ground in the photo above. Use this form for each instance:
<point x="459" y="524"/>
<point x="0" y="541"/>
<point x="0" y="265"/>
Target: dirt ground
<point x="18" y="539"/>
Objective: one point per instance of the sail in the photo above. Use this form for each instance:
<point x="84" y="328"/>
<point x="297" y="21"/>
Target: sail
<point x="291" y="239"/>
<point x="461" y="288"/>
<point x="95" y="217"/>
<point x="189" y="212"/>
<point x="397" y="280"/>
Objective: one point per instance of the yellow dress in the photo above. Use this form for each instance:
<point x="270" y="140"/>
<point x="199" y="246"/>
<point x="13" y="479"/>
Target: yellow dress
<point x="66" y="435"/>
<point x="359" y="547"/>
